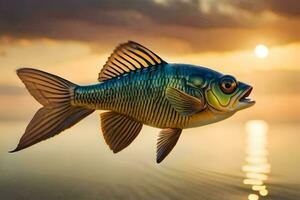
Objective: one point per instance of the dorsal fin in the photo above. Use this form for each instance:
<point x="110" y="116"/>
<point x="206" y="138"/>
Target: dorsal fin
<point x="128" y="57"/>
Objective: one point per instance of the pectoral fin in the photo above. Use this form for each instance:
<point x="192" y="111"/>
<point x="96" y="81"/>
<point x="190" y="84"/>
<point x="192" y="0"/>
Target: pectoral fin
<point x="184" y="103"/>
<point x="118" y="130"/>
<point x="167" y="139"/>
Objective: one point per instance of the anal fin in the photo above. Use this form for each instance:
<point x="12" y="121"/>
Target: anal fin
<point x="119" y="130"/>
<point x="167" y="139"/>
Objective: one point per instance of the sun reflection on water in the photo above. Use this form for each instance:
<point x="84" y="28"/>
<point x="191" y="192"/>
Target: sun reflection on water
<point x="257" y="167"/>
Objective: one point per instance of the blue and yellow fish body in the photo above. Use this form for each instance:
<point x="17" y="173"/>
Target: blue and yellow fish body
<point x="136" y="87"/>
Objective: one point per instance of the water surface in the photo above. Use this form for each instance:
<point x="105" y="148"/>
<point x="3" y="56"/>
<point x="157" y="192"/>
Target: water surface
<point x="252" y="160"/>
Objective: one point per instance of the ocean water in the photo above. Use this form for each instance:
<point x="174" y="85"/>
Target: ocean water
<point x="234" y="160"/>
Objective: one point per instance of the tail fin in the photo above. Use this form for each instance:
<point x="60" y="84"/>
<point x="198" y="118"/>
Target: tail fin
<point x="55" y="94"/>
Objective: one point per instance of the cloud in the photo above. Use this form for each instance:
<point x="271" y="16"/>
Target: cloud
<point x="279" y="7"/>
<point x="289" y="7"/>
<point x="2" y="53"/>
<point x="181" y="22"/>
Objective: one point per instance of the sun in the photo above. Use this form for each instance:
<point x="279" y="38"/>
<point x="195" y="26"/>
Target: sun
<point x="261" y="51"/>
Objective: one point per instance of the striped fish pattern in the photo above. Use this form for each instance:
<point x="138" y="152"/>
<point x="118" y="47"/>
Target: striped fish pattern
<point x="136" y="87"/>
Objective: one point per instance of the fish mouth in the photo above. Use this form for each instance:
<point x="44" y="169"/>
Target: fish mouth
<point x="245" y="101"/>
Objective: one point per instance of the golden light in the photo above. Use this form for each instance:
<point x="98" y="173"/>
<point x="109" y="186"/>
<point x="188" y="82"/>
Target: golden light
<point x="257" y="167"/>
<point x="253" y="197"/>
<point x="261" y="51"/>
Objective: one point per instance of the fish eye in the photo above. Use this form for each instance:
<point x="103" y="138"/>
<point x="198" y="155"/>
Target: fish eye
<point x="228" y="84"/>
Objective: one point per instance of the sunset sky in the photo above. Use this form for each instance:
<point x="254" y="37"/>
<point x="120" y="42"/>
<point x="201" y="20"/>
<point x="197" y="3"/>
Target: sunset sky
<point x="74" y="38"/>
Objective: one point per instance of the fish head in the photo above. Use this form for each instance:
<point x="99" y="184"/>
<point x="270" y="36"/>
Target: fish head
<point x="225" y="94"/>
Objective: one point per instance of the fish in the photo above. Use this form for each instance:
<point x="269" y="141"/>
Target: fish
<point x="136" y="87"/>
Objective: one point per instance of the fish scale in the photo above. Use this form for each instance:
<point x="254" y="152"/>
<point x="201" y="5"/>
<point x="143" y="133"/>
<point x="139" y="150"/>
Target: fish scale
<point x="139" y="95"/>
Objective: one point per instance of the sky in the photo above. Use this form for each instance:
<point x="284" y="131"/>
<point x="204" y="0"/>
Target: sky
<point x="74" y="38"/>
<point x="188" y="24"/>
